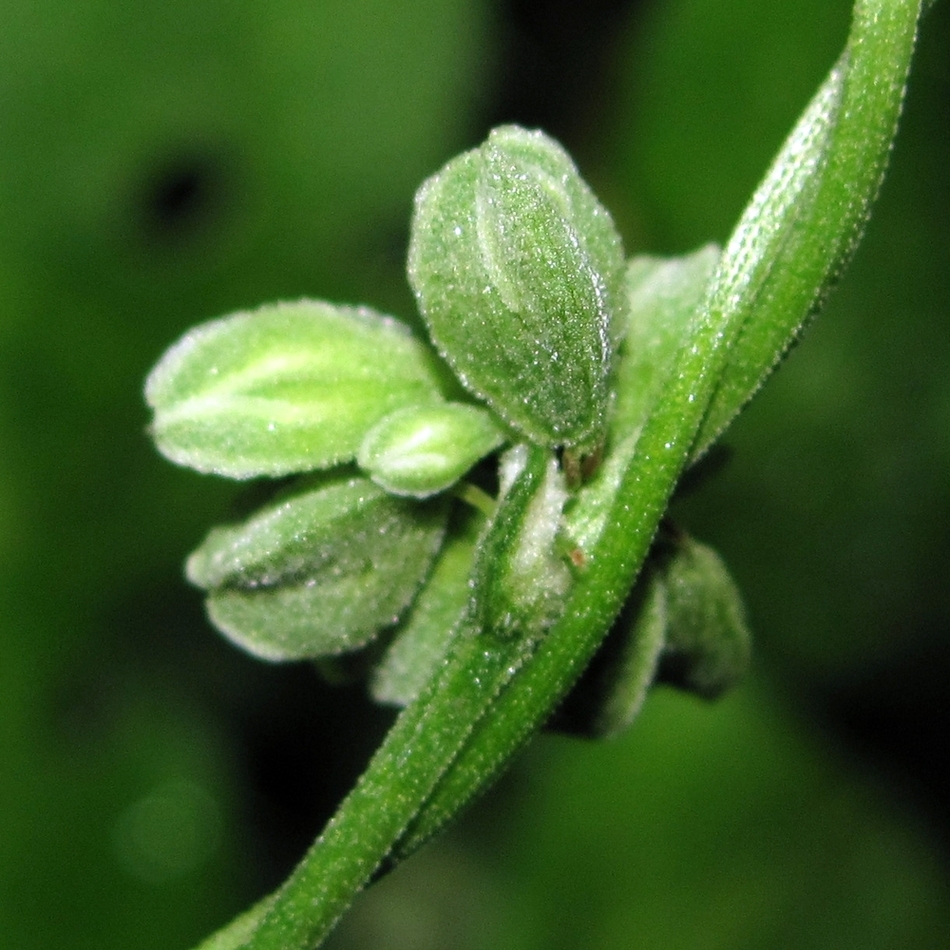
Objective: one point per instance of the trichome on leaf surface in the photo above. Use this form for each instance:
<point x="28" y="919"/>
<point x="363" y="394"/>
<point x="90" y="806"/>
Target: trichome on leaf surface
<point x="481" y="504"/>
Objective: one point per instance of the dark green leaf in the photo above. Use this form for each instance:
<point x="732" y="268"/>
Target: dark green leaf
<point x="706" y="644"/>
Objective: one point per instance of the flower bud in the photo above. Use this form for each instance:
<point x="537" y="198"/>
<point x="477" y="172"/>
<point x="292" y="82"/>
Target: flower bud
<point x="320" y="570"/>
<point x="518" y="271"/>
<point x="292" y="387"/>
<point x="421" y="450"/>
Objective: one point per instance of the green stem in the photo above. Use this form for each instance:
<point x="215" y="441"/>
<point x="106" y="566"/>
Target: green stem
<point x="804" y="217"/>
<point x="481" y="677"/>
<point x="475" y="497"/>
<point x="420" y="747"/>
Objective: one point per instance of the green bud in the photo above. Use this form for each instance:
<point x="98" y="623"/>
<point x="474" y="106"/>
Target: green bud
<point x="707" y="641"/>
<point x="318" y="571"/>
<point x="288" y="388"/>
<point x="683" y="625"/>
<point x="518" y="271"/>
<point x="421" y="450"/>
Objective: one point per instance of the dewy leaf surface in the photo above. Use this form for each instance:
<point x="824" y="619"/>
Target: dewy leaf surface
<point x="319" y="571"/>
<point x="518" y="273"/>
<point x="288" y="388"/>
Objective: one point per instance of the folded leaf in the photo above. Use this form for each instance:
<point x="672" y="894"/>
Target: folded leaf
<point x="805" y="220"/>
<point x="319" y="571"/>
<point x="287" y="388"/>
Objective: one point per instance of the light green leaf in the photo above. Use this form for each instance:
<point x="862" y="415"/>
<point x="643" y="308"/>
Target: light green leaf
<point x="318" y="571"/>
<point x="518" y="272"/>
<point x="421" y="450"/>
<point x="287" y="388"/>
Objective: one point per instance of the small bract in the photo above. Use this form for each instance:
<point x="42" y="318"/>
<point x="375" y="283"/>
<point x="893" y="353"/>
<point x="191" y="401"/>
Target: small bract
<point x="519" y="578"/>
<point x="518" y="271"/>
<point x="707" y="641"/>
<point x="421" y="450"/>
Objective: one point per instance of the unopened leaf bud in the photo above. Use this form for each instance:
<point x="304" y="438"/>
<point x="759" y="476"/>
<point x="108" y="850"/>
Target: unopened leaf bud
<point x="518" y="271"/>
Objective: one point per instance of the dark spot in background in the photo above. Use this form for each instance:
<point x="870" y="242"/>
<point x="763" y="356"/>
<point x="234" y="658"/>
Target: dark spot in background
<point x="184" y="194"/>
<point x="898" y="719"/>
<point x="554" y="60"/>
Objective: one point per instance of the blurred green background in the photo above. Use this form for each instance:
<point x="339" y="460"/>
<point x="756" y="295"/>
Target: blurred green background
<point x="163" y="164"/>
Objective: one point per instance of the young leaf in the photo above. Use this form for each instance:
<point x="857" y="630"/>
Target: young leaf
<point x="663" y="297"/>
<point x="319" y="571"/>
<point x="287" y="388"/>
<point x="518" y="271"/>
<point x="421" y="450"/>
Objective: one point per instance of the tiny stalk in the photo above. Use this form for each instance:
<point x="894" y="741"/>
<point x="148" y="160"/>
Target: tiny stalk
<point x="490" y="541"/>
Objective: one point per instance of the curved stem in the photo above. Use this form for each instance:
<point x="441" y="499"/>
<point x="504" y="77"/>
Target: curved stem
<point x="493" y="692"/>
